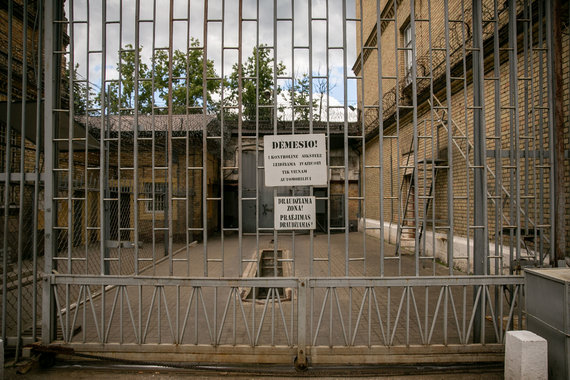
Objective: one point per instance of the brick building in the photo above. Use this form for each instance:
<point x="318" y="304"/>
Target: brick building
<point x="424" y="60"/>
<point x="152" y="161"/>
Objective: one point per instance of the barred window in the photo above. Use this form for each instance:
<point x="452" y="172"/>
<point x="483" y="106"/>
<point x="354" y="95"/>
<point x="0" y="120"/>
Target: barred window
<point x="159" y="199"/>
<point x="407" y="34"/>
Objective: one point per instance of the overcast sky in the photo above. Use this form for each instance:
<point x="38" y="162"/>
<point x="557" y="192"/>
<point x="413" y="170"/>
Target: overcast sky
<point x="155" y="34"/>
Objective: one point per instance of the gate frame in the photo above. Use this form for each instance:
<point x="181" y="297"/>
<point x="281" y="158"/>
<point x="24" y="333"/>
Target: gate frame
<point x="303" y="350"/>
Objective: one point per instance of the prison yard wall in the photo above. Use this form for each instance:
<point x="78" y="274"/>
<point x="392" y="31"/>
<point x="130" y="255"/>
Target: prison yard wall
<point x="533" y="145"/>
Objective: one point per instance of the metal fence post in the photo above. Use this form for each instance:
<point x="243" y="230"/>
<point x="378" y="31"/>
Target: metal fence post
<point x="480" y="242"/>
<point x="301" y="362"/>
<point x="51" y="68"/>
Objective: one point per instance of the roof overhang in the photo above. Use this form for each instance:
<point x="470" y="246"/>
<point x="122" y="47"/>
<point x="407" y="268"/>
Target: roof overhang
<point x="26" y="118"/>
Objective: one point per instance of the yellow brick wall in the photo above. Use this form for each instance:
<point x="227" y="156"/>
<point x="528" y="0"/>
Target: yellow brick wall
<point x="17" y="52"/>
<point x="395" y="149"/>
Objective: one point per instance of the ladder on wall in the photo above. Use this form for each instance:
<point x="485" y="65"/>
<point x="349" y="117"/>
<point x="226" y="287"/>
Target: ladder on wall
<point x="426" y="172"/>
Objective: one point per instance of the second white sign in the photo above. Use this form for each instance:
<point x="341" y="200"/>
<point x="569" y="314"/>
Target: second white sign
<point x="294" y="213"/>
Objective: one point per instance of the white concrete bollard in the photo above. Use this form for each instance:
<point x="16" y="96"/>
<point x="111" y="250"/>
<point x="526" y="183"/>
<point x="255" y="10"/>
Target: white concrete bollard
<point x="1" y="359"/>
<point x="525" y="356"/>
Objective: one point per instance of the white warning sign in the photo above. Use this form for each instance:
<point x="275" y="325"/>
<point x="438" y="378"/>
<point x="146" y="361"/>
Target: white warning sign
<point x="294" y="213"/>
<point x="295" y="160"/>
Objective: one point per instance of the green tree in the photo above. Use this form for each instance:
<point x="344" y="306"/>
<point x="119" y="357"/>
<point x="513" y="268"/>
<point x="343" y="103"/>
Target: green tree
<point x="186" y="92"/>
<point x="153" y="82"/>
<point x="258" y="85"/>
<point x="120" y="95"/>
<point x="84" y="100"/>
<point x="299" y="92"/>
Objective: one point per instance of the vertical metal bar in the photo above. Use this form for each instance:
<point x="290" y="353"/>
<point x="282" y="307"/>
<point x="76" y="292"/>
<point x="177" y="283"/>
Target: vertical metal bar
<point x="434" y="149"/>
<point x="7" y="166"/>
<point x="415" y="141"/>
<point x="136" y="173"/>
<point x="526" y="111"/>
<point x="222" y="141"/>
<point x="39" y="147"/>
<point x="51" y="92"/>
<point x="445" y="302"/>
<point x="70" y="115"/>
<point x="311" y="116"/>
<point x="399" y="176"/>
<point x="550" y="100"/>
<point x="532" y="134"/>
<point x="497" y="141"/>
<point x="188" y="216"/>
<point x="240" y="139"/>
<point x="22" y="179"/>
<point x="274" y="122"/>
<point x="86" y="152"/>
<point x="102" y="157"/>
<point x="541" y="134"/>
<point x="310" y="32"/>
<point x="407" y="290"/>
<point x="480" y="245"/>
<point x="480" y="182"/>
<point x="559" y="200"/>
<point x="205" y="147"/>
<point x="103" y="170"/>
<point x="450" y="231"/>
<point x="362" y="161"/>
<point x="380" y="135"/>
<point x="273" y="119"/>
<point x="153" y="186"/>
<point x="329" y="264"/>
<point x="345" y="128"/>
<point x="257" y="166"/>
<point x="514" y="103"/>
<point x="169" y="205"/>
<point x="465" y="133"/>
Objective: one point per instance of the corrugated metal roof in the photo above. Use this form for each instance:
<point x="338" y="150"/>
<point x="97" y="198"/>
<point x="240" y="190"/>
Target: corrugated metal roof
<point x="125" y="123"/>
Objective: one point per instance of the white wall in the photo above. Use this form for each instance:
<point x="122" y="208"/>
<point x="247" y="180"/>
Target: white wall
<point x="461" y="247"/>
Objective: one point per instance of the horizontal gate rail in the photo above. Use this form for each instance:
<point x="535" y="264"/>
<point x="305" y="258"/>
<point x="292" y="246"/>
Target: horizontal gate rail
<point x="276" y="282"/>
<point x="420" y="316"/>
<point x="415" y="281"/>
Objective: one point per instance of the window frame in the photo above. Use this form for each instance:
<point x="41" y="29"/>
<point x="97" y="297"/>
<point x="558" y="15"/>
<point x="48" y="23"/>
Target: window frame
<point x="159" y="190"/>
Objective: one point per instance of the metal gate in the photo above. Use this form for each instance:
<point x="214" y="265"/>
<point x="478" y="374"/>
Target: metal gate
<point x="135" y="195"/>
